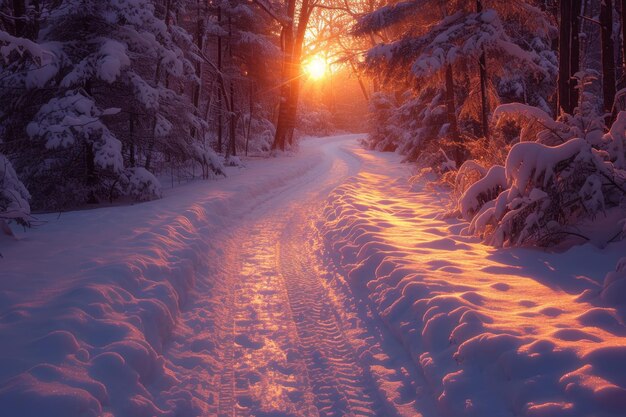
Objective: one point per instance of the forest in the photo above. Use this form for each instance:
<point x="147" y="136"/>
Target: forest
<point x="100" y="99"/>
<point x="312" y="208"/>
<point x="515" y="105"/>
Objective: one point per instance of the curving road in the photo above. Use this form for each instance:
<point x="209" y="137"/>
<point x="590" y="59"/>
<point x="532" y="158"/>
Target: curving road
<point x="291" y="339"/>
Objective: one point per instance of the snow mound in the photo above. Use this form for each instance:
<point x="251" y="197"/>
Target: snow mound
<point x="495" y="332"/>
<point x="90" y="300"/>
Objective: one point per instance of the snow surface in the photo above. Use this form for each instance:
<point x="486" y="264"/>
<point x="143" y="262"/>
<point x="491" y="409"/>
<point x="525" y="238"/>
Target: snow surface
<point x="260" y="294"/>
<point x="495" y="332"/>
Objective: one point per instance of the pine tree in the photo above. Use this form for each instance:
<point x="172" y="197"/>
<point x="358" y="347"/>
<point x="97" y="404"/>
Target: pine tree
<point x="464" y="40"/>
<point x="106" y="101"/>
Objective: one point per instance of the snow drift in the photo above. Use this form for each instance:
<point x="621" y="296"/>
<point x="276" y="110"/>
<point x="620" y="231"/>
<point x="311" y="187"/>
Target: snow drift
<point x="496" y="332"/>
<point x="89" y="301"/>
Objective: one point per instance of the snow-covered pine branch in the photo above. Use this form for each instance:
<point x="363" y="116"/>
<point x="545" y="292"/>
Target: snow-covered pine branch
<point x="14" y="196"/>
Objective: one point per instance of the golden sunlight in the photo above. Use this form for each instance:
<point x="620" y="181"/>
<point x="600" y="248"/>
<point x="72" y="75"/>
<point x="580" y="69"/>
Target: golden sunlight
<point x="316" y="67"/>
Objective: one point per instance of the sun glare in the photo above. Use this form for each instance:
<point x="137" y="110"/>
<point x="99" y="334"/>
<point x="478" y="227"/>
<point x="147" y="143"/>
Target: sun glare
<point x="316" y="68"/>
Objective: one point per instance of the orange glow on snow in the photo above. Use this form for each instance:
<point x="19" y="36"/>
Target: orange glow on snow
<point x="515" y="293"/>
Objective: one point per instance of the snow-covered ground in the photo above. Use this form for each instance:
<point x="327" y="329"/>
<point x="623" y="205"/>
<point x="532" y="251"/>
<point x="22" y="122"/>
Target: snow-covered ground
<point x="495" y="332"/>
<point x="260" y="295"/>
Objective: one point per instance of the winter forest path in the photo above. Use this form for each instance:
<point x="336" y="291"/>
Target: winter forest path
<point x="317" y="284"/>
<point x="286" y="342"/>
<point x="346" y="293"/>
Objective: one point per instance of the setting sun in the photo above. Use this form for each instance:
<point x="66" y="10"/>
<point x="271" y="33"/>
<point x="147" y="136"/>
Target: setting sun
<point x="316" y="67"/>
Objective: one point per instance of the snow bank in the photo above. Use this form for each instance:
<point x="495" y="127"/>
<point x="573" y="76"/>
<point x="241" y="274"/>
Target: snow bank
<point x="495" y="332"/>
<point x="88" y="301"/>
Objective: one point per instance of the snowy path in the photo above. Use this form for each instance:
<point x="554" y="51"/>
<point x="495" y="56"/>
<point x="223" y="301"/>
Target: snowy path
<point x="313" y="285"/>
<point x="284" y="347"/>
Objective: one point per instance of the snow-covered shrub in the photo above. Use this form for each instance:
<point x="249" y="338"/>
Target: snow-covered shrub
<point x="467" y="174"/>
<point x="74" y="121"/>
<point x="535" y="124"/>
<point x="559" y="178"/>
<point x="210" y="161"/>
<point x="233" y="161"/>
<point x="141" y="184"/>
<point x="549" y="190"/>
<point x="484" y="190"/>
<point x="420" y="121"/>
<point x="14" y="196"/>
<point x="260" y="135"/>
<point x="614" y="142"/>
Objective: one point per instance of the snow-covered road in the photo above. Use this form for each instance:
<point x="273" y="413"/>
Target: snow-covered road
<point x="212" y="301"/>
<point x="286" y="346"/>
<point x="312" y="285"/>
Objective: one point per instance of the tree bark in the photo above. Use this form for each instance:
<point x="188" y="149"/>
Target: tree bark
<point x="292" y="54"/>
<point x="565" y="30"/>
<point x="574" y="53"/>
<point x="220" y="127"/>
<point x="131" y="137"/>
<point x="608" y="56"/>
<point x="294" y="90"/>
<point x="623" y="21"/>
<point x="19" y="11"/>
<point x="200" y="45"/>
<point x="232" y="147"/>
<point x="482" y="64"/>
<point x="287" y="74"/>
<point x="451" y="113"/>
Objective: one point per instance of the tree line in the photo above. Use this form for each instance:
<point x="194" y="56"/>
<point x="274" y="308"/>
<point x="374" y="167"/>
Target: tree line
<point x="517" y="105"/>
<point x="99" y="100"/>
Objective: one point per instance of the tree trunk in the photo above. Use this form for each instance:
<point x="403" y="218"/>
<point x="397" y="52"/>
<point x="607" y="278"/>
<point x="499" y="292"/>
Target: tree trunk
<point x="565" y="30"/>
<point x="200" y="44"/>
<point x="131" y="136"/>
<point x="157" y="82"/>
<point x="608" y="56"/>
<point x="232" y="147"/>
<point x="250" y="113"/>
<point x="287" y="73"/>
<point x="303" y="22"/>
<point x="220" y="127"/>
<point x="451" y="112"/>
<point x="19" y="11"/>
<point x="624" y="37"/>
<point x="290" y="94"/>
<point x="575" y="53"/>
<point x="482" y="63"/>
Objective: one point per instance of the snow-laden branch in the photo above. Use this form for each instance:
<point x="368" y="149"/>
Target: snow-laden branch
<point x="387" y="16"/>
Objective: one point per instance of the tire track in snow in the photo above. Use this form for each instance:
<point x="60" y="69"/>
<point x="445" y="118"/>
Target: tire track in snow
<point x="266" y="340"/>
<point x="341" y="386"/>
<point x="219" y="369"/>
<point x="287" y="351"/>
<point x="226" y="396"/>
